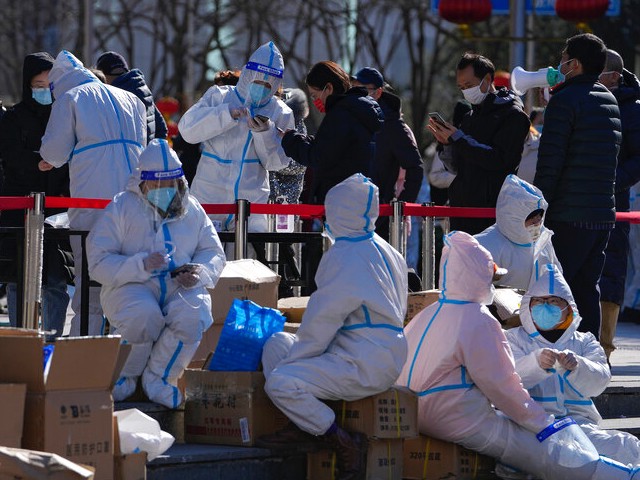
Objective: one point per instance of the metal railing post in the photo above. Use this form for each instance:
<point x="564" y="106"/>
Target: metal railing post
<point x="428" y="251"/>
<point x="242" y="215"/>
<point x="271" y="249"/>
<point x="33" y="245"/>
<point x="396" y="227"/>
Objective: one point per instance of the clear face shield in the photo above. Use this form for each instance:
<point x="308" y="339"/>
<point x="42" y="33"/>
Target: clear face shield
<point x="262" y="83"/>
<point x="167" y="191"/>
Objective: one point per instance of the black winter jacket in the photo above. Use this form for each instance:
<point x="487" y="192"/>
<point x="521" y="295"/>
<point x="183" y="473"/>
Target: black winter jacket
<point x="133" y="81"/>
<point x="628" y="171"/>
<point x="576" y="167"/>
<point x="344" y="144"/>
<point x="486" y="148"/>
<point x="396" y="147"/>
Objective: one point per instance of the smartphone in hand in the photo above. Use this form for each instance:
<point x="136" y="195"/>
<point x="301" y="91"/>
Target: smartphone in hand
<point x="437" y="118"/>
<point x="262" y="118"/>
<point x="187" y="267"/>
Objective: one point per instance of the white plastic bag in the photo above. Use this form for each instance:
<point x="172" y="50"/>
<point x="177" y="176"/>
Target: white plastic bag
<point x="141" y="433"/>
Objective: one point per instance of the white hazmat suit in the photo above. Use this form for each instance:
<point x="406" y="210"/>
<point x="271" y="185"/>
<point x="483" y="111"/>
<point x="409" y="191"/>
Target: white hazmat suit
<point x="235" y="160"/>
<point x="461" y="366"/>
<point x="350" y="344"/>
<point x="510" y="244"/>
<point x="565" y="392"/>
<point x="161" y="319"/>
<point x="100" y="130"/>
<point x="632" y="287"/>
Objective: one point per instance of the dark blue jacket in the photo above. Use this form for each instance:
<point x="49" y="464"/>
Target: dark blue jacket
<point x="133" y="81"/>
<point x="344" y="144"/>
<point x="576" y="166"/>
<point x="628" y="171"/>
<point x="396" y="147"/>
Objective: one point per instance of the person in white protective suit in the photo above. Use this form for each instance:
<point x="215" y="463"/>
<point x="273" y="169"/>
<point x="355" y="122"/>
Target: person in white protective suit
<point x="238" y="126"/>
<point x="100" y="131"/>
<point x="350" y="343"/>
<point x="519" y="241"/>
<point x="154" y="251"/>
<point x="563" y="368"/>
<point x="462" y="368"/>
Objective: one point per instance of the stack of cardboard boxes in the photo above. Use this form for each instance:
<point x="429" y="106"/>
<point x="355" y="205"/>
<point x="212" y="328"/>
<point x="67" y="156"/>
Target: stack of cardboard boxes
<point x="231" y="408"/>
<point x="386" y="419"/>
<point x="68" y="408"/>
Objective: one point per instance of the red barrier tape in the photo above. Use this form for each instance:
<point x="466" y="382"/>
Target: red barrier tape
<point x="303" y="210"/>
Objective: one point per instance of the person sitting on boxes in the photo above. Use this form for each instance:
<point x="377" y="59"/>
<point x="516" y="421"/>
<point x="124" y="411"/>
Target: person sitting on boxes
<point x="563" y="368"/>
<point x="154" y="251"/>
<point x="350" y="343"/>
<point x="461" y="367"/>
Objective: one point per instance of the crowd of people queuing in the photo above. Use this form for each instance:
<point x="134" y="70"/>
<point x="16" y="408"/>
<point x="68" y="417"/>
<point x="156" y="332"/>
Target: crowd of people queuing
<point x="555" y="175"/>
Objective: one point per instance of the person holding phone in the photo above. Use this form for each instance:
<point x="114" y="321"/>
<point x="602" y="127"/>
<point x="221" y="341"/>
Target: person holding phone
<point x="154" y="251"/>
<point x="488" y="144"/>
<point x="239" y="127"/>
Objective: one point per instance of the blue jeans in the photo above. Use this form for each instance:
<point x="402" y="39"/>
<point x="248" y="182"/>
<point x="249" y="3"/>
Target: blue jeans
<point x="55" y="300"/>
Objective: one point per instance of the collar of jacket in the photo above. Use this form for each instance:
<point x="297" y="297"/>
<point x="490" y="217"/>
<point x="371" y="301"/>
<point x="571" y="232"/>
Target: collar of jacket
<point x="584" y="78"/>
<point x="333" y="99"/>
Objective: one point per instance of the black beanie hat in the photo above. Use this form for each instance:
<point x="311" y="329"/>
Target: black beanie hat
<point x="112" y="63"/>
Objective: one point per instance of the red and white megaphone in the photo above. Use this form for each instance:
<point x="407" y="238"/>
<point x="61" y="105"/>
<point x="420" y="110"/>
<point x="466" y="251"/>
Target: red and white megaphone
<point x="522" y="80"/>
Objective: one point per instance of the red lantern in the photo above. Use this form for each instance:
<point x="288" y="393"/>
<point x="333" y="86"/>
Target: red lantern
<point x="581" y="10"/>
<point x="172" y="129"/>
<point x="168" y="106"/>
<point x="465" y="11"/>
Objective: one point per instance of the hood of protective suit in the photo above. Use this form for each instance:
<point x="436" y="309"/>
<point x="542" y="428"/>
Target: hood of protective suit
<point x="517" y="199"/>
<point x="466" y="270"/>
<point x="159" y="162"/>
<point x="351" y="208"/>
<point x="265" y="64"/>
<point x="550" y="282"/>
<point x="68" y="72"/>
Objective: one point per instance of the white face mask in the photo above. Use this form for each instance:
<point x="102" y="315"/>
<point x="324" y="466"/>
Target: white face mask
<point x="534" y="231"/>
<point x="474" y="95"/>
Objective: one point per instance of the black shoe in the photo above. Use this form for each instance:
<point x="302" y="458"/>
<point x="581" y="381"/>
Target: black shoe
<point x="630" y="315"/>
<point x="351" y="453"/>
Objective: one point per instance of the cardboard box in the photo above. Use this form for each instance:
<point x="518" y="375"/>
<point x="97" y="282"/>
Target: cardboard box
<point x="209" y="341"/>
<point x="427" y="458"/>
<point x="69" y="408"/>
<point x="228" y="408"/>
<point x="247" y="280"/>
<point x="293" y="308"/>
<point x="17" y="463"/>
<point x="418" y="301"/>
<point x="384" y="461"/>
<point x="12" y="397"/>
<point x="127" y="467"/>
<point x="390" y="414"/>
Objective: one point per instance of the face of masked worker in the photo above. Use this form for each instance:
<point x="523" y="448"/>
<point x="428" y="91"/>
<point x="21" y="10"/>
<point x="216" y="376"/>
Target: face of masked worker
<point x="548" y="312"/>
<point x="165" y="195"/>
<point x="40" y="91"/>
<point x="259" y="93"/>
<point x="533" y="224"/>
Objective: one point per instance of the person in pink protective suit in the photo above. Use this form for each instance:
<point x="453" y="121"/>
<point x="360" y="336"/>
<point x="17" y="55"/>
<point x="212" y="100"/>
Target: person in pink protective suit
<point x="563" y="368"/>
<point x="462" y="368"/>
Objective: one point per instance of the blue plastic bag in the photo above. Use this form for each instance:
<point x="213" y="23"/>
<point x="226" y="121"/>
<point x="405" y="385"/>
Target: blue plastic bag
<point x="245" y="331"/>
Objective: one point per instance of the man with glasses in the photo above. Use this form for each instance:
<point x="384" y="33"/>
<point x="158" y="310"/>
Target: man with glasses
<point x="576" y="170"/>
<point x="563" y="368"/>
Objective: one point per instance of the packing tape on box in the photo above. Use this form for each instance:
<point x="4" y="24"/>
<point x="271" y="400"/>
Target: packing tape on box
<point x="389" y="466"/>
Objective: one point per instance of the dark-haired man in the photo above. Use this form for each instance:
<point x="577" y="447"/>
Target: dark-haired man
<point x="576" y="170"/>
<point x="488" y="145"/>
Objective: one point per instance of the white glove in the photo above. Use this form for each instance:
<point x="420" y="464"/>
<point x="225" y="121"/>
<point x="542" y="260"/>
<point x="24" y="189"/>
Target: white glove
<point x="547" y="358"/>
<point x="155" y="261"/>
<point x="187" y="279"/>
<point x="257" y="125"/>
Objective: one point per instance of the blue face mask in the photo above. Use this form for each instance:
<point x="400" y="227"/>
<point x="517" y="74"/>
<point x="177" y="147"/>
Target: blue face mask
<point x="161" y="197"/>
<point x="42" y="96"/>
<point x="562" y="76"/>
<point x="258" y="94"/>
<point x="546" y="316"/>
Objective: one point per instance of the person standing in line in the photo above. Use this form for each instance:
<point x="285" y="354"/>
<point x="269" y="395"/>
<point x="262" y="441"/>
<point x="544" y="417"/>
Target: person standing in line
<point x="488" y="144"/>
<point x="101" y="154"/>
<point x="345" y="141"/>
<point x="117" y="73"/>
<point x="626" y="88"/>
<point x="396" y="148"/>
<point x="576" y="170"/>
<point x="21" y="131"/>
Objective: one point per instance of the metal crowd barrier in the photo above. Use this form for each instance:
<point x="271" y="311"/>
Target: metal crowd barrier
<point x="30" y="276"/>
